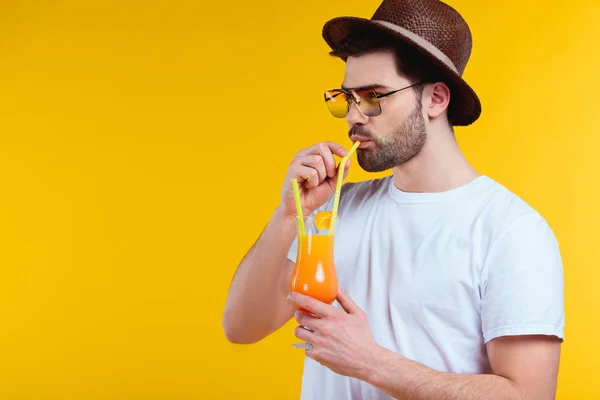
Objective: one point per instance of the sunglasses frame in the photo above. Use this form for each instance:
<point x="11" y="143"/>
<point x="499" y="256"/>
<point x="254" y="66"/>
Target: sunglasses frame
<point x="357" y="100"/>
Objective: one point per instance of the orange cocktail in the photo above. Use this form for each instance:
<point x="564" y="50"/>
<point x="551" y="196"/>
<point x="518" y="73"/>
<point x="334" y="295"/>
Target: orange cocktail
<point x="314" y="272"/>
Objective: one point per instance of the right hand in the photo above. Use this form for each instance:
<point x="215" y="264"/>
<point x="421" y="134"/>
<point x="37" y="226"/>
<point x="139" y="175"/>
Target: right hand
<point x="317" y="175"/>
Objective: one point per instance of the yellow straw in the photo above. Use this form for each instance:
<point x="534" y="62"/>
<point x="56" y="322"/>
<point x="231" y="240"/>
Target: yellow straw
<point x="338" y="189"/>
<point x="298" y="206"/>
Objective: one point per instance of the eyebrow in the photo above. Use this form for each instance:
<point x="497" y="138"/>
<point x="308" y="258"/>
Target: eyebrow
<point x="372" y="86"/>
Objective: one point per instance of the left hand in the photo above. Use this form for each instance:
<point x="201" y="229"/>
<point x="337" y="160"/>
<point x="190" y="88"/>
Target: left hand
<point x="341" y="340"/>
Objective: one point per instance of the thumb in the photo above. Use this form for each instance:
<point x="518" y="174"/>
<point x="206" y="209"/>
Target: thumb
<point x="347" y="168"/>
<point x="348" y="304"/>
<point x="333" y="180"/>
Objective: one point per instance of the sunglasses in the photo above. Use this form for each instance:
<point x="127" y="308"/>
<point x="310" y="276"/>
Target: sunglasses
<point x="339" y="101"/>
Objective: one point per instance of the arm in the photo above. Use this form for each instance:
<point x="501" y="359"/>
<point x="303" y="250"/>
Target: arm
<point x="256" y="303"/>
<point x="522" y="323"/>
<point x="523" y="368"/>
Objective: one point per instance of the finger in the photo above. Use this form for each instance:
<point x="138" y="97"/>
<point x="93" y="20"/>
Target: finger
<point x="347" y="303"/>
<point x="311" y="353"/>
<point x="308" y="321"/>
<point x="335" y="148"/>
<point x="315" y="306"/>
<point x="307" y="175"/>
<point x="304" y="334"/>
<point x="315" y="161"/>
<point x="325" y="152"/>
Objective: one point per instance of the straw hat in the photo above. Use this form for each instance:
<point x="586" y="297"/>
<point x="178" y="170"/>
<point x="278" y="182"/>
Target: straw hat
<point x="434" y="29"/>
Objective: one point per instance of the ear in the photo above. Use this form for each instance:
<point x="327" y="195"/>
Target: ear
<point x="440" y="99"/>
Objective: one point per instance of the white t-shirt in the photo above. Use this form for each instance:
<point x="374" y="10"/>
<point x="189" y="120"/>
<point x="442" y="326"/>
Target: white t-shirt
<point x="441" y="274"/>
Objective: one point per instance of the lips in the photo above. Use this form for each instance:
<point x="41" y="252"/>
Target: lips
<point x="363" y="141"/>
<point x="364" y="144"/>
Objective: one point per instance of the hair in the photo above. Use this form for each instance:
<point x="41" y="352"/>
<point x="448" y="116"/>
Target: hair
<point x="409" y="61"/>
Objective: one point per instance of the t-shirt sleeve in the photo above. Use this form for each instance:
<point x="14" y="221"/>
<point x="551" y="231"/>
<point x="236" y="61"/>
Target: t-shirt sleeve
<point x="523" y="286"/>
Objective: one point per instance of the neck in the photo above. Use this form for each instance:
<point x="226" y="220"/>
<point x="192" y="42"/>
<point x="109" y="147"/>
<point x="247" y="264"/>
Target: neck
<point x="440" y="166"/>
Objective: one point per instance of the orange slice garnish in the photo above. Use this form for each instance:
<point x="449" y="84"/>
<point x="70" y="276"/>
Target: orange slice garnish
<point x="323" y="219"/>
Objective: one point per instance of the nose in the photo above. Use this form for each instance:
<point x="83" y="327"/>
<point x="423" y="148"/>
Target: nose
<point x="355" y="115"/>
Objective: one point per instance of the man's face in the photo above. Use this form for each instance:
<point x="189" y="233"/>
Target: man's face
<point x="396" y="135"/>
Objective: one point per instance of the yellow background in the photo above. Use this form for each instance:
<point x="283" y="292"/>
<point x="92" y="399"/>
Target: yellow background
<point x="142" y="149"/>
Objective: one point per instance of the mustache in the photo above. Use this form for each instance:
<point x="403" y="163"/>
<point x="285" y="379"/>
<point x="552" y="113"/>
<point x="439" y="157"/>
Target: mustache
<point x="361" y="131"/>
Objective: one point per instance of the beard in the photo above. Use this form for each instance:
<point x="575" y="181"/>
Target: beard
<point x="404" y="143"/>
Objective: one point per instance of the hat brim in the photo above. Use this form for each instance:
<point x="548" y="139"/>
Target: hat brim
<point x="464" y="108"/>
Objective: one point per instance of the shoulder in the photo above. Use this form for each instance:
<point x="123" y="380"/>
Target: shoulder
<point x="504" y="211"/>
<point x="517" y="230"/>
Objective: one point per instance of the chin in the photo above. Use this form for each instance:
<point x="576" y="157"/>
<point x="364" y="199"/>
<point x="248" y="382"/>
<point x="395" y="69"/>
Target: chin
<point x="371" y="168"/>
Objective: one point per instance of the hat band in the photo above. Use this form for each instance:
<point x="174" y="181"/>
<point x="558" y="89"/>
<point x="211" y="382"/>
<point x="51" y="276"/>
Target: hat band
<point x="421" y="42"/>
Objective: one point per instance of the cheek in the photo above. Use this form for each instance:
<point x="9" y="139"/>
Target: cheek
<point x="385" y="124"/>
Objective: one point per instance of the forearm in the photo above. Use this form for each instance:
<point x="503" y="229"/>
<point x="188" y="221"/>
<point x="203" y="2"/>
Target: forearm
<point x="256" y="303"/>
<point x="409" y="380"/>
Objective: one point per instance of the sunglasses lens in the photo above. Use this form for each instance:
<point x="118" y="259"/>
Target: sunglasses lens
<point x="337" y="103"/>
<point x="369" y="104"/>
